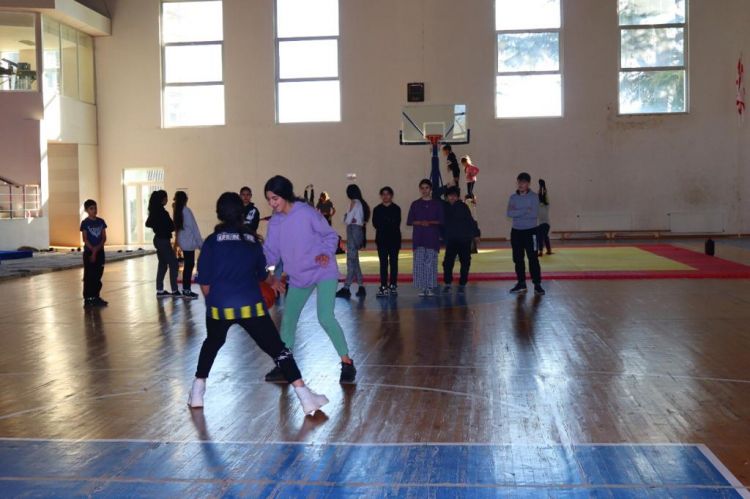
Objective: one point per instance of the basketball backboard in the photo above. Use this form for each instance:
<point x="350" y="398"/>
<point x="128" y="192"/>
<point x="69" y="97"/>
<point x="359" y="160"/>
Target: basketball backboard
<point x="449" y="121"/>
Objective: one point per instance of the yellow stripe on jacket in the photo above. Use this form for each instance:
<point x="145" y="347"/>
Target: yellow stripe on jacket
<point x="231" y="314"/>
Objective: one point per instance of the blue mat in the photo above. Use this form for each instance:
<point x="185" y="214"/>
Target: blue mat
<point x="15" y="255"/>
<point x="42" y="468"/>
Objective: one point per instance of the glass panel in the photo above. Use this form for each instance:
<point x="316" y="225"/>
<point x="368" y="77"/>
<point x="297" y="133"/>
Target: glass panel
<point x="303" y="18"/>
<point x="634" y="12"/>
<point x="643" y="48"/>
<point x="527" y="14"/>
<point x="529" y="96"/>
<point x="528" y="52"/>
<point x="193" y="63"/>
<point x="69" y="43"/>
<point x="309" y="101"/>
<point x="86" y="68"/>
<point x="18" y="49"/>
<point x="194" y="106"/>
<point x="309" y="59"/>
<point x="192" y="22"/>
<point x="131" y="218"/>
<point x="646" y="92"/>
<point x="51" y="55"/>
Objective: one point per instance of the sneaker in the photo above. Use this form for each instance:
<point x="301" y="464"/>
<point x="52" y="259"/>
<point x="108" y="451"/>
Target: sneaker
<point x="447" y="289"/>
<point x="422" y="292"/>
<point x="361" y="292"/>
<point x="348" y="373"/>
<point x="163" y="294"/>
<point x="519" y="288"/>
<point x="541" y="254"/>
<point x="311" y="401"/>
<point x="195" y="397"/>
<point x="429" y="293"/>
<point x="275" y="375"/>
<point x="189" y="295"/>
<point x="539" y="290"/>
<point x="98" y="302"/>
<point x="88" y="302"/>
<point x="344" y="293"/>
<point x="382" y="291"/>
<point x="461" y="288"/>
<point x="394" y="290"/>
<point x="176" y="294"/>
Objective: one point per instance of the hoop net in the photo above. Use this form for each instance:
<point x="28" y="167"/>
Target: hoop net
<point x="434" y="138"/>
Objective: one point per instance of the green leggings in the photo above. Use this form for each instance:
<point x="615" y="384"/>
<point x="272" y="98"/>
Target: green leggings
<point x="295" y="302"/>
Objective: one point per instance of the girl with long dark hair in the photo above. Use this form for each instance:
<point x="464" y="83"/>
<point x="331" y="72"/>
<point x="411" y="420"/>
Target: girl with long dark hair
<point x="355" y="220"/>
<point x="543" y="216"/>
<point x="231" y="265"/>
<point x="300" y="236"/>
<point x="425" y="216"/>
<point x="188" y="240"/>
<point x="161" y="223"/>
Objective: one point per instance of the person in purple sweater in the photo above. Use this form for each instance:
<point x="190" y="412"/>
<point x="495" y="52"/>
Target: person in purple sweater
<point x="300" y="236"/>
<point x="426" y="216"/>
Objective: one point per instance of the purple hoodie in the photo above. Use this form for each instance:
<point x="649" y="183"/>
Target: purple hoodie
<point x="296" y="239"/>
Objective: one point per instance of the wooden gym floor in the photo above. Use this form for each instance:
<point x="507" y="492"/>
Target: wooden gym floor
<point x="608" y="388"/>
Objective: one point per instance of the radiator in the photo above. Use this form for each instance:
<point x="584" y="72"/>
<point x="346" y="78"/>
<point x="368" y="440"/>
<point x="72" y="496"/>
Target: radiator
<point x="711" y="222"/>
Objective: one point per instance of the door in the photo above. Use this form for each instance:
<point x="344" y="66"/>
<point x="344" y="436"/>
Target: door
<point x="138" y="184"/>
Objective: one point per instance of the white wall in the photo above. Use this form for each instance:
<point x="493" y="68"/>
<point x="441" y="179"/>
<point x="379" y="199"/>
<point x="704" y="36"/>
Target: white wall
<point x="593" y="160"/>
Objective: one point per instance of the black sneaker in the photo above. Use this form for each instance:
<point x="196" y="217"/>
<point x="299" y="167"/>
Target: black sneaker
<point x="539" y="290"/>
<point x="344" y="293"/>
<point x="447" y="289"/>
<point x="361" y="292"/>
<point x="519" y="288"/>
<point x="462" y="288"/>
<point x="393" y="290"/>
<point x="382" y="292"/>
<point x="176" y="294"/>
<point x="189" y="295"/>
<point x="88" y="302"/>
<point x="163" y="294"/>
<point x="348" y="373"/>
<point x="98" y="302"/>
<point x="275" y="375"/>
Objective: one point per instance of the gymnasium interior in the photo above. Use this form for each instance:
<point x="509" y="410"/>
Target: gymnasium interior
<point x="628" y="378"/>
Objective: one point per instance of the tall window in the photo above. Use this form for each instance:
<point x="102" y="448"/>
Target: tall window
<point x="192" y="68"/>
<point x="529" y="76"/>
<point x="307" y="61"/>
<point x="68" y="57"/>
<point x="17" y="51"/>
<point x="653" y="56"/>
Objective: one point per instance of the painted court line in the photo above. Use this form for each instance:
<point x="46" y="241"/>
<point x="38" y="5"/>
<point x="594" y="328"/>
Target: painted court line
<point x="728" y="475"/>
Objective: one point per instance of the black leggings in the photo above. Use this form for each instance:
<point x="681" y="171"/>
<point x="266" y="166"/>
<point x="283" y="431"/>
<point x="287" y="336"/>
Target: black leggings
<point x="388" y="254"/>
<point x="470" y="189"/>
<point x="260" y="329"/>
<point x="543" y="236"/>
<point x="167" y="259"/>
<point x="187" y="269"/>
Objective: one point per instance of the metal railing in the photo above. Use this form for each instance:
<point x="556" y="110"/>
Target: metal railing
<point x="19" y="201"/>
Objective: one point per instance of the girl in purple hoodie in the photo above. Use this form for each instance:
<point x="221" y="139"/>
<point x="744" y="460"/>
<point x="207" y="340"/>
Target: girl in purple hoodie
<point x="299" y="236"/>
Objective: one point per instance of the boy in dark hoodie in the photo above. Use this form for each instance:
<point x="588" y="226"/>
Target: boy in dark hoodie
<point x="459" y="230"/>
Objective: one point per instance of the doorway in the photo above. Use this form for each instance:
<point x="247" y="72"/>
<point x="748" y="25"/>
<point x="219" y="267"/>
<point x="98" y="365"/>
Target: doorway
<point x="138" y="184"/>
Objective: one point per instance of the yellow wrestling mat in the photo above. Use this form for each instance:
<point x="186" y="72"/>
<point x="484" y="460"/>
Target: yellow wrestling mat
<point x="566" y="259"/>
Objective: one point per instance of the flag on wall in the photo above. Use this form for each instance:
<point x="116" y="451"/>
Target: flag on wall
<point x="740" y="89"/>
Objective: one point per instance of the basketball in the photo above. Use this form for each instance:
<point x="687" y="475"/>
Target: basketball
<point x="269" y="295"/>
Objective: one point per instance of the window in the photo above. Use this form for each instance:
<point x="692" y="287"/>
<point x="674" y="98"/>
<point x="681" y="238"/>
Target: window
<point x="17" y="51"/>
<point x="529" y="77"/>
<point x="192" y="63"/>
<point x="307" y="61"/>
<point x="653" y="56"/>
<point x="68" y="57"/>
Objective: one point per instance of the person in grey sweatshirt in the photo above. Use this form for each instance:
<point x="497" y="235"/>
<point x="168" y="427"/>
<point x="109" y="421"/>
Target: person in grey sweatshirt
<point x="188" y="239"/>
<point x="523" y="208"/>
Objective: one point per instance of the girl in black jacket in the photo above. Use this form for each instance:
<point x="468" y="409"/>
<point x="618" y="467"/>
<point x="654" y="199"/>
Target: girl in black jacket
<point x="161" y="223"/>
<point x="386" y="218"/>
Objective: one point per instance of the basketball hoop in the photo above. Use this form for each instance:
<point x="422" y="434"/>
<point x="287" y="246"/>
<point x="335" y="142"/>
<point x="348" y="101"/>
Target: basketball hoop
<point x="434" y="139"/>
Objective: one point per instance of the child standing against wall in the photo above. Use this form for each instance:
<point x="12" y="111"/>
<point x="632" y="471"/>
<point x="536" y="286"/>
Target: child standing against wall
<point x="471" y="172"/>
<point x="544" y="226"/>
<point x="94" y="231"/>
<point x="426" y="216"/>
<point x="386" y="218"/>
<point x="523" y="208"/>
